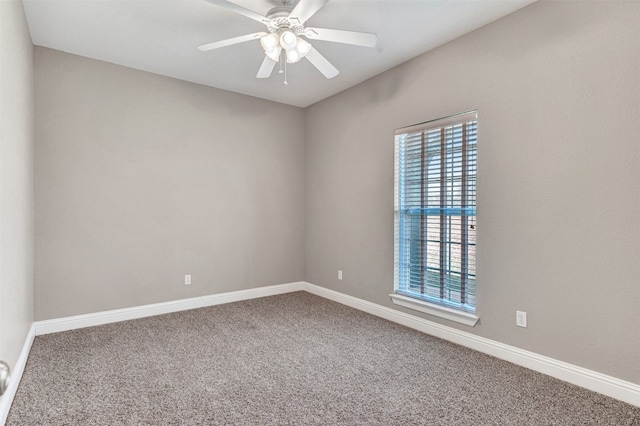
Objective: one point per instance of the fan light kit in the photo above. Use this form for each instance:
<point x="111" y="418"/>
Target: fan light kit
<point x="284" y="43"/>
<point x="295" y="47"/>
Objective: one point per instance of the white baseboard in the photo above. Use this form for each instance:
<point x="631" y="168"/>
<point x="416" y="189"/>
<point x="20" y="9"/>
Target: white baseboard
<point x="16" y="375"/>
<point x="117" y="315"/>
<point x="592" y="380"/>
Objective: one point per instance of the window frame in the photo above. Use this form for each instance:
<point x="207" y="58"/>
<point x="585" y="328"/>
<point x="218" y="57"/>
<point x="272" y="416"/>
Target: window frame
<point x="448" y="207"/>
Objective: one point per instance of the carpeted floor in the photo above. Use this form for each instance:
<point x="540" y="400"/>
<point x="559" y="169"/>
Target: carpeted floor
<point x="294" y="359"/>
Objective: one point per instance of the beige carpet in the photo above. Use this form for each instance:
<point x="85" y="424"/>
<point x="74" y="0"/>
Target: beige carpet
<point x="294" y="359"/>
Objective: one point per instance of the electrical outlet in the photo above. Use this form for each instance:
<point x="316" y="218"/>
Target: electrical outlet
<point x="521" y="319"/>
<point x="187" y="280"/>
<point x="339" y="274"/>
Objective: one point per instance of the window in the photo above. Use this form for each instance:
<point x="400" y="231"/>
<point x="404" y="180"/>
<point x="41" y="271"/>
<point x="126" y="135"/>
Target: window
<point x="435" y="217"/>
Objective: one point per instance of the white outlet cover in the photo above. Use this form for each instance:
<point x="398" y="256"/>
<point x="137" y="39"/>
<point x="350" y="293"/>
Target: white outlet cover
<point x="521" y="319"/>
<point x="187" y="279"/>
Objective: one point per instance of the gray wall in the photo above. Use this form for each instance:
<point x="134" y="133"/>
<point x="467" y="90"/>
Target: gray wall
<point x="141" y="179"/>
<point x="558" y="96"/>
<point x="16" y="181"/>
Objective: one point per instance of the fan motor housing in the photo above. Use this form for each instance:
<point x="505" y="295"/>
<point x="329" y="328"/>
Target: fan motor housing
<point x="279" y="17"/>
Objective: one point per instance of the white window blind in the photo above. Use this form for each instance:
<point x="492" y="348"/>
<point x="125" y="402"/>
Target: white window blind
<point x="435" y="211"/>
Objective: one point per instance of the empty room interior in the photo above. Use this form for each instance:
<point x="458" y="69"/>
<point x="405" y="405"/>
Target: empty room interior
<point x="155" y="197"/>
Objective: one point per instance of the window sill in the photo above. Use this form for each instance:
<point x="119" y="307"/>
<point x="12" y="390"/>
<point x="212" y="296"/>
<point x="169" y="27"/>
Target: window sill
<point x="435" y="310"/>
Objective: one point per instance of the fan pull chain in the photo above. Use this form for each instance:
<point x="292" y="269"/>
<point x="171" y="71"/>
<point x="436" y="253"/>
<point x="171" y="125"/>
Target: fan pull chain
<point x="285" y="73"/>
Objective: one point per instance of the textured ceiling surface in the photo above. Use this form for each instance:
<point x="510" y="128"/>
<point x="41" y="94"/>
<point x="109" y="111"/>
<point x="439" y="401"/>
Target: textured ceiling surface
<point x="161" y="36"/>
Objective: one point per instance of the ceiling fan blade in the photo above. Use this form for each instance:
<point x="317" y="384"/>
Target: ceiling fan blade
<point x="305" y="9"/>
<point x="322" y="64"/>
<point x="230" y="41"/>
<point x="266" y="68"/>
<point x="339" y="36"/>
<point x="241" y="10"/>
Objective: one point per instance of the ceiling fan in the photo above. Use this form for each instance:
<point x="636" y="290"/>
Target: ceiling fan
<point x="283" y="40"/>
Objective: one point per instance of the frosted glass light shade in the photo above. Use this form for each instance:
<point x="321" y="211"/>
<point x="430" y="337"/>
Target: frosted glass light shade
<point x="293" y="56"/>
<point x="303" y="47"/>
<point x="288" y="40"/>
<point x="270" y="41"/>
<point x="274" y="54"/>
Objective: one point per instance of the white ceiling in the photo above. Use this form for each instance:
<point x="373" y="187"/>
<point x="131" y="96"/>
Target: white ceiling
<point x="160" y="36"/>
